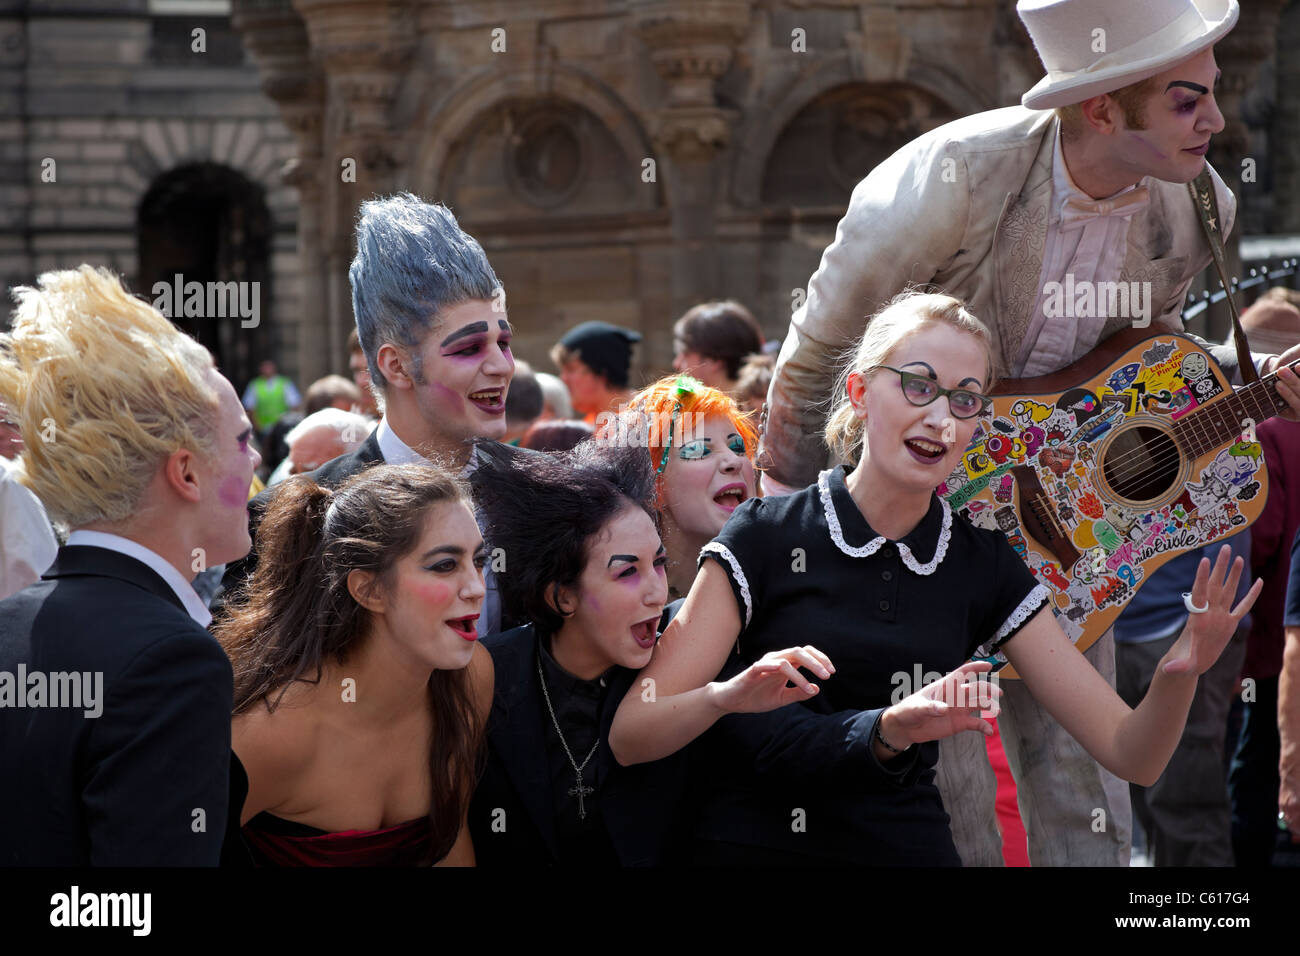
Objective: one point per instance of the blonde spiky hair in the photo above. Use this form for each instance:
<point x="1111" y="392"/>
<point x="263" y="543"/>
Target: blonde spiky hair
<point x="105" y="388"/>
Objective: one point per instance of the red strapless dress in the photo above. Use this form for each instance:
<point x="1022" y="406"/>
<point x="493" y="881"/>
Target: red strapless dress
<point x="273" y="841"/>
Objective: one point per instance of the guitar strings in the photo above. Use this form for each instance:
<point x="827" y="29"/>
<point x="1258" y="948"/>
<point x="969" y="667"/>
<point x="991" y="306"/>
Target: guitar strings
<point x="1188" y="424"/>
<point x="1195" y="430"/>
<point x="1140" y="462"/>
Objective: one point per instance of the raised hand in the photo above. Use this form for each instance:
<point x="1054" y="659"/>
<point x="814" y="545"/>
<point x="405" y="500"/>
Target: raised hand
<point x="762" y="686"/>
<point x="944" y="708"/>
<point x="1288" y="803"/>
<point x="1208" y="632"/>
<point x="1288" y="384"/>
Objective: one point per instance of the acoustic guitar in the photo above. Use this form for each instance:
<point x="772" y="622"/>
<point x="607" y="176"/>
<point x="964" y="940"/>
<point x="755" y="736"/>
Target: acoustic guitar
<point x="1105" y="470"/>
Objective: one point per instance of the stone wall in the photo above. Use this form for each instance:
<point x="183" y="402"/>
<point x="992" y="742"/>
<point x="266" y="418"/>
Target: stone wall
<point x="618" y="159"/>
<point x="101" y="101"/>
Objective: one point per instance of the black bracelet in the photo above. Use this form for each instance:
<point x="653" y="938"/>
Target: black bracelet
<point x="884" y="743"/>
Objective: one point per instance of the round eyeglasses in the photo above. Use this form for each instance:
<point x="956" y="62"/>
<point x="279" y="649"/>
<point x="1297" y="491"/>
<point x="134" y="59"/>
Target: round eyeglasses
<point x="921" y="390"/>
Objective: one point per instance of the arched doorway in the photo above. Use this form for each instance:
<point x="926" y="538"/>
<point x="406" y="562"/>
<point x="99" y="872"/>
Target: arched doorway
<point x="842" y="135"/>
<point x="208" y="224"/>
<point x="818" y="157"/>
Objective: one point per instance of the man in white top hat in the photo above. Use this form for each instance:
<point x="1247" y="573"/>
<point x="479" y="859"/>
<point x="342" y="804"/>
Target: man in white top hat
<point x="1085" y="180"/>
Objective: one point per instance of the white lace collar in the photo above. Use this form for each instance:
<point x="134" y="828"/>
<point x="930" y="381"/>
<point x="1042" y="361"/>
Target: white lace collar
<point x="876" y="543"/>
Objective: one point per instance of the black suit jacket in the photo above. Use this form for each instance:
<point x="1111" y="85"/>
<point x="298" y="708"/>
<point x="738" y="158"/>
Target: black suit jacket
<point x="329" y="475"/>
<point x="640" y="805"/>
<point x="124" y="788"/>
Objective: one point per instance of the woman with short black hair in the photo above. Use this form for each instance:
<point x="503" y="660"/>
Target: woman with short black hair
<point x="582" y="562"/>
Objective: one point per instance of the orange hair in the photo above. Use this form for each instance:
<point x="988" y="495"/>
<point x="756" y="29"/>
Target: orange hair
<point x="657" y="402"/>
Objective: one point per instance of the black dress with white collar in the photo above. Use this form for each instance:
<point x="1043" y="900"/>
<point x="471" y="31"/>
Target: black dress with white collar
<point x="802" y="782"/>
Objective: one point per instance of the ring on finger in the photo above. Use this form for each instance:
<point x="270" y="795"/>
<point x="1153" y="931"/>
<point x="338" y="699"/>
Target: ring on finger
<point x="1191" y="607"/>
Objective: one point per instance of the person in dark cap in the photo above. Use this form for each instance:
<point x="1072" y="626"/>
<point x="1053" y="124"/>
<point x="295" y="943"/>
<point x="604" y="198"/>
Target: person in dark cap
<point x="593" y="359"/>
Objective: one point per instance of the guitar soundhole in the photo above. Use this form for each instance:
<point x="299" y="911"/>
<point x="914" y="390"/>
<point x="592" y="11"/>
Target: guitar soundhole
<point x="1141" y="464"/>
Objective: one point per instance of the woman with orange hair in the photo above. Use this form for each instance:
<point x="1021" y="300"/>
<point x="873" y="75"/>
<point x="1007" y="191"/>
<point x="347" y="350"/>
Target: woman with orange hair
<point x="702" y="446"/>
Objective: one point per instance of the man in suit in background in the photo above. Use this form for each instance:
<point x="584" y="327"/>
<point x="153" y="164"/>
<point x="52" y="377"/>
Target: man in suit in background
<point x="431" y="320"/>
<point x="114" y="699"/>
<point x="1082" y="185"/>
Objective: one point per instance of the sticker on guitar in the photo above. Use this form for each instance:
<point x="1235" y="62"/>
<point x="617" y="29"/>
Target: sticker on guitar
<point x="1092" y="486"/>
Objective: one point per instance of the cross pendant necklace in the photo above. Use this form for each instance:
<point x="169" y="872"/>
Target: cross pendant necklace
<point x="578" y="791"/>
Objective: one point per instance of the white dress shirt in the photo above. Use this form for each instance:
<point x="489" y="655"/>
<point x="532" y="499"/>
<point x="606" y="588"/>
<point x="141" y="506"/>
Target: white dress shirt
<point x="396" y="451"/>
<point x="1092" y="254"/>
<point x="194" y="605"/>
<point x="27" y="543"/>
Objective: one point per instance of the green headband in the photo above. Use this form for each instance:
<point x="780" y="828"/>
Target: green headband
<point x="685" y="385"/>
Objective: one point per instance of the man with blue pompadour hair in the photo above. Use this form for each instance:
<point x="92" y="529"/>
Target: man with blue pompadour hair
<point x="431" y="320"/>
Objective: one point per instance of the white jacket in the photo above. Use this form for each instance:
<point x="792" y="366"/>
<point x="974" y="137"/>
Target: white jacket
<point x="963" y="208"/>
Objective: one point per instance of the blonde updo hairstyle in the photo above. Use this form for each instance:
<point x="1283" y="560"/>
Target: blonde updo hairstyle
<point x="904" y="316"/>
<point x="105" y="388"/>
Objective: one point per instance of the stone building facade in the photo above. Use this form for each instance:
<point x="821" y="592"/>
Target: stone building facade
<point x="618" y="159"/>
<point x="128" y="139"/>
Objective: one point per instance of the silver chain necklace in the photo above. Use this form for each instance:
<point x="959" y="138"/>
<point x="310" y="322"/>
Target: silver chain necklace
<point x="579" y="790"/>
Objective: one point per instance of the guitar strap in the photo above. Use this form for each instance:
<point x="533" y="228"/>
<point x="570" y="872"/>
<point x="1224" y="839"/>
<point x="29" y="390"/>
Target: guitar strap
<point x="1207" y="207"/>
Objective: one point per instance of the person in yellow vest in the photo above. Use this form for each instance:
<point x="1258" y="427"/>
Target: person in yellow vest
<point x="269" y="396"/>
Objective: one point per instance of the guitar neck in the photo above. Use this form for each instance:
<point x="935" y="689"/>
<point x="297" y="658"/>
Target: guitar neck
<point x="1221" y="423"/>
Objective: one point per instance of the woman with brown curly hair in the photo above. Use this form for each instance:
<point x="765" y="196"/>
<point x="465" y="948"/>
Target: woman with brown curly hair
<point x="360" y="691"/>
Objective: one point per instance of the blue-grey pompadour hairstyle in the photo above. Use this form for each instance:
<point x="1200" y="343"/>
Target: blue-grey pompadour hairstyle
<point x="413" y="261"/>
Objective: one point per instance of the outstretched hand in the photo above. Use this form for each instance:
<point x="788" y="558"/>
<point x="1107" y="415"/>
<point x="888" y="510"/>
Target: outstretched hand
<point x="1288" y="383"/>
<point x="944" y="708"/>
<point x="764" y="685"/>
<point x="1207" y="633"/>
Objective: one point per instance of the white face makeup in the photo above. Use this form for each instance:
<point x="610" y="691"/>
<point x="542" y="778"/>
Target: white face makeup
<point x="466" y="370"/>
<point x="620" y="595"/>
<point x="229" y="477"/>
<point x="436" y="591"/>
<point x="912" y="446"/>
<point x="1181" y="117"/>
<point x="708" y="474"/>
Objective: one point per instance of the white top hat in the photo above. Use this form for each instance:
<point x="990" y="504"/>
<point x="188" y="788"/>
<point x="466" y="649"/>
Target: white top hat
<point x="1090" y="47"/>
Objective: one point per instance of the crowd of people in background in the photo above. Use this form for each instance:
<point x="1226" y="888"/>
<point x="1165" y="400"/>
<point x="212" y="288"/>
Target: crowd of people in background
<point x="452" y="609"/>
<point x="717" y="343"/>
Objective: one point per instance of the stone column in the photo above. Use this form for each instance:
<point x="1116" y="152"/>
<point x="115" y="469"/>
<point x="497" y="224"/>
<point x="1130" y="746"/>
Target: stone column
<point x="691" y="44"/>
<point x="17" y="168"/>
<point x="364" y="47"/>
<point x="277" y="40"/>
